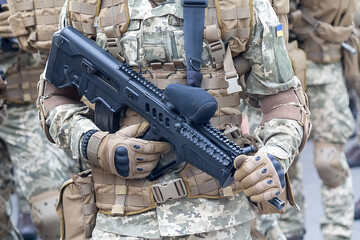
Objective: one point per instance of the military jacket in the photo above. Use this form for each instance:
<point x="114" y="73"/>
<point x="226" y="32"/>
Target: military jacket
<point x="271" y="73"/>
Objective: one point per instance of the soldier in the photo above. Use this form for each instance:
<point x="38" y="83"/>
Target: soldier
<point x="40" y="168"/>
<point x="156" y="29"/>
<point x="321" y="27"/>
<point x="7" y="185"/>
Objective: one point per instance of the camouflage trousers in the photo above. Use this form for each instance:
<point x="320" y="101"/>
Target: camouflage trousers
<point x="7" y="230"/>
<point x="239" y="232"/>
<point x="332" y="123"/>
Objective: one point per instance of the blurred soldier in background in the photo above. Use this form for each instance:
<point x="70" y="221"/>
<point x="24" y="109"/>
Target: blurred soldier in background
<point x="40" y="168"/>
<point x="321" y="27"/>
<point x="7" y="185"/>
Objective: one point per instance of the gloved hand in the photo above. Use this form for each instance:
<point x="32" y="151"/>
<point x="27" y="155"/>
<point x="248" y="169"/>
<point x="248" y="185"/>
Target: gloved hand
<point x="125" y="154"/>
<point x="261" y="176"/>
<point x="5" y="29"/>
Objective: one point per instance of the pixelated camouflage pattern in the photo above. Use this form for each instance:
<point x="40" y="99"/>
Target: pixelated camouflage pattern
<point x="38" y="164"/>
<point x="239" y="232"/>
<point x="329" y="103"/>
<point x="292" y="222"/>
<point x="332" y="123"/>
<point x="185" y="216"/>
<point x="271" y="68"/>
<point x="7" y="185"/>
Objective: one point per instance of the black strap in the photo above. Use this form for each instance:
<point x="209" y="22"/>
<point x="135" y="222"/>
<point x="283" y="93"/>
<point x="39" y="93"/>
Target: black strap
<point x="194" y="13"/>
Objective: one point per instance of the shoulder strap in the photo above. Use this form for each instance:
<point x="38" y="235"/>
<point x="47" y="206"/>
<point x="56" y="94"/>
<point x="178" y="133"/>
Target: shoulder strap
<point x="194" y="13"/>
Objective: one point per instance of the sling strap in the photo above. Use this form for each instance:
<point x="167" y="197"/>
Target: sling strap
<point x="194" y="13"/>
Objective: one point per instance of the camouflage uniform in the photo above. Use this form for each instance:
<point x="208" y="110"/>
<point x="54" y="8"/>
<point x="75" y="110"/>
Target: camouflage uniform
<point x="225" y="218"/>
<point x="7" y="187"/>
<point x="292" y="222"/>
<point x="332" y="122"/>
<point x="39" y="166"/>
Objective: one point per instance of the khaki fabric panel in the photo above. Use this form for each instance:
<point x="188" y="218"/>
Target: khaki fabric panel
<point x="281" y="7"/>
<point x="235" y="20"/>
<point x="114" y="15"/>
<point x="298" y="60"/>
<point x="82" y="15"/>
<point x="22" y="22"/>
<point x="76" y="207"/>
<point x="47" y="13"/>
<point x="230" y="110"/>
<point x="22" y="79"/>
<point x="351" y="61"/>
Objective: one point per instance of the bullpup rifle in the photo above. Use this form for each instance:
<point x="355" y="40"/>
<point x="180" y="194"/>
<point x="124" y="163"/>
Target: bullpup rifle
<point x="74" y="60"/>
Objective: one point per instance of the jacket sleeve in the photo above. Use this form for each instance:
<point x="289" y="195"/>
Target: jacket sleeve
<point x="271" y="74"/>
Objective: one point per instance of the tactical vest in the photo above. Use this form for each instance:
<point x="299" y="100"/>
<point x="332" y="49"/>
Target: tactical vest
<point x="323" y="26"/>
<point x="151" y="40"/>
<point x="33" y="23"/>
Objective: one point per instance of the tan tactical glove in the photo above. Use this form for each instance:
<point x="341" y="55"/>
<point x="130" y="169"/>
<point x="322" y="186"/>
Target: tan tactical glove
<point x="124" y="154"/>
<point x="5" y="29"/>
<point x="261" y="176"/>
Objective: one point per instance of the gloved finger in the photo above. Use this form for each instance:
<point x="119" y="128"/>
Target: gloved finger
<point x="145" y="168"/>
<point x="266" y="196"/>
<point x="254" y="177"/>
<point x="260" y="187"/>
<point x="142" y="128"/>
<point x="4" y="14"/>
<point x="146" y="157"/>
<point x="239" y="160"/>
<point x="5" y="29"/>
<point x="148" y="147"/>
<point x="249" y="166"/>
<point x="128" y="131"/>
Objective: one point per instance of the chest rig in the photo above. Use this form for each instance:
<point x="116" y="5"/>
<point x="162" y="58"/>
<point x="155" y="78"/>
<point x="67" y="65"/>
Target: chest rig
<point x="151" y="40"/>
<point x="33" y="23"/>
<point x="323" y="26"/>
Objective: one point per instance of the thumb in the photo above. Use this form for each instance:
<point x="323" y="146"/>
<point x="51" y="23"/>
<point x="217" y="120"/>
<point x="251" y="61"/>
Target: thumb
<point x="239" y="160"/>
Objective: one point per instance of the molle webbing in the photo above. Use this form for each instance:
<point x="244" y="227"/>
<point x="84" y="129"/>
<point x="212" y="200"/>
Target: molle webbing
<point x="213" y="35"/>
<point x="114" y="20"/>
<point x="22" y="22"/>
<point x="213" y="81"/>
<point x="22" y="84"/>
<point x="235" y="20"/>
<point x="117" y="196"/>
<point x="47" y="14"/>
<point x="82" y="15"/>
<point x="34" y="23"/>
<point x="200" y="184"/>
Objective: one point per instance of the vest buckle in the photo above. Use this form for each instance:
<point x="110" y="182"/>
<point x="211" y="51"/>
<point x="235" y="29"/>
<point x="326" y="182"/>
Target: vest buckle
<point x="173" y="189"/>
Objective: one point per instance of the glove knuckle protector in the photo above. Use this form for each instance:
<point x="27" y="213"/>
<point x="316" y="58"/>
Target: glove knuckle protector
<point x="261" y="176"/>
<point x="125" y="155"/>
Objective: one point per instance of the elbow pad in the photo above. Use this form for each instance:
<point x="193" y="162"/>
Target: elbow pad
<point x="291" y="104"/>
<point x="50" y="97"/>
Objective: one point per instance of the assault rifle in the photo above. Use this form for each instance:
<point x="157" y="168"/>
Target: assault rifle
<point x="74" y="60"/>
